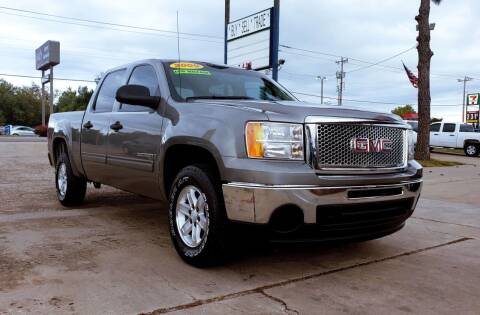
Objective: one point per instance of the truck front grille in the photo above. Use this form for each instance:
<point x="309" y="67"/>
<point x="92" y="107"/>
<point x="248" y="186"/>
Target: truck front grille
<point x="335" y="148"/>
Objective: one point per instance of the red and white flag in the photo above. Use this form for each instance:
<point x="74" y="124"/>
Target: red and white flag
<point x="413" y="79"/>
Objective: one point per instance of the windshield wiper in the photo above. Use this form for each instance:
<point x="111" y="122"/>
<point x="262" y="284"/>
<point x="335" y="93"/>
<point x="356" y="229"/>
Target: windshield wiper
<point x="216" y="97"/>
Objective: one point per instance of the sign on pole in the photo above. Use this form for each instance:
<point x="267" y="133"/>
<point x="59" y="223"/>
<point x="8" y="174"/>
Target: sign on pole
<point x="249" y="41"/>
<point x="473" y="108"/>
<point x="47" y="55"/>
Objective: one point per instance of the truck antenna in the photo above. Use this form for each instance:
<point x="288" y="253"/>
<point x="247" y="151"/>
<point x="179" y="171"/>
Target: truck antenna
<point x="178" y="56"/>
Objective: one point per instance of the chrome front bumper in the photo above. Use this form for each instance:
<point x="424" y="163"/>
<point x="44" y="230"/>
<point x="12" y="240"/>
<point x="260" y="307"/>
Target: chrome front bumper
<point x="254" y="203"/>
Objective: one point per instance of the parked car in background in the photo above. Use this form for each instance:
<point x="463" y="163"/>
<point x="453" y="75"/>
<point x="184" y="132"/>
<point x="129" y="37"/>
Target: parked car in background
<point x="2" y="130"/>
<point x="413" y="124"/>
<point x="22" y="131"/>
<point x="455" y="135"/>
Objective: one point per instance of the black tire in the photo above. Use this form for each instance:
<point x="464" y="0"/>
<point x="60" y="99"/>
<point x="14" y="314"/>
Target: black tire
<point x="472" y="149"/>
<point x="211" y="248"/>
<point x="74" y="192"/>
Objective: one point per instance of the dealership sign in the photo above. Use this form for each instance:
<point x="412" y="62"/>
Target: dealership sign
<point x="47" y="55"/>
<point x="249" y="41"/>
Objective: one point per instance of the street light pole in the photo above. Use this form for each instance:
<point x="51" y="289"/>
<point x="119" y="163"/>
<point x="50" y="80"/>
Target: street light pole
<point x="321" y="78"/>
<point x="464" y="80"/>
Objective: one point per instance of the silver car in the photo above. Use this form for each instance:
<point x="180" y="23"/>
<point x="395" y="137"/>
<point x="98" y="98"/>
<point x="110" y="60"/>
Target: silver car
<point x="22" y="131"/>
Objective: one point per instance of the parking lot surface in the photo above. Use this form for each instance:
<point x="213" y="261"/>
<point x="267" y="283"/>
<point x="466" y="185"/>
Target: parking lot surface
<point x="113" y="255"/>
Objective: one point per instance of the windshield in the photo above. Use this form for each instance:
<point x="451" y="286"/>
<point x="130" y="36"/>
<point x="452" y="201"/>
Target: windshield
<point x="189" y="81"/>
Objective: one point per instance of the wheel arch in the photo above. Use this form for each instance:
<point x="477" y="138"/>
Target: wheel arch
<point x="60" y="145"/>
<point x="470" y="141"/>
<point x="180" y="155"/>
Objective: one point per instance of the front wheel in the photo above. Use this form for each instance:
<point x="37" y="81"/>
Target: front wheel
<point x="472" y="149"/>
<point x="71" y="189"/>
<point x="197" y="216"/>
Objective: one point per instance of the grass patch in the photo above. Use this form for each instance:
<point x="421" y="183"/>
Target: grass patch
<point x="449" y="151"/>
<point x="438" y="163"/>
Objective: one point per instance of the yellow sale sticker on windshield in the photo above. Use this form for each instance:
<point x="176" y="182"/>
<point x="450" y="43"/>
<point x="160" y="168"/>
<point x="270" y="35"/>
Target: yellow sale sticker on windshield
<point x="186" y="65"/>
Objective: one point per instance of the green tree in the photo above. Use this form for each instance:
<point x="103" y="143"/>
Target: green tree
<point x="402" y="110"/>
<point x="20" y="105"/>
<point x="425" y="54"/>
<point x="71" y="100"/>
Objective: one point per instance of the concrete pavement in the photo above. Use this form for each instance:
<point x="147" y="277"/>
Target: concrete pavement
<point x="113" y="255"/>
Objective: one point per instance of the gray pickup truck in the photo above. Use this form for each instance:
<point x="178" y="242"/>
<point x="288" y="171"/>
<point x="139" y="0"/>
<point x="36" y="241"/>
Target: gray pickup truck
<point x="224" y="145"/>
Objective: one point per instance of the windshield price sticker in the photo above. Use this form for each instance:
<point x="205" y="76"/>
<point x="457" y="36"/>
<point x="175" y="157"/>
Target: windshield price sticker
<point x="186" y="65"/>
<point x="248" y="25"/>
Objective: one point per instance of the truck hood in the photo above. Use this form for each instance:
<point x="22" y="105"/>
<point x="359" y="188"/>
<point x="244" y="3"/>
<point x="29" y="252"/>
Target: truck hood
<point x="296" y="111"/>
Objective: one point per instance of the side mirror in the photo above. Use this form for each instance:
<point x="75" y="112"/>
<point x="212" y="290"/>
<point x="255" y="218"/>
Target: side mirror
<point x="137" y="95"/>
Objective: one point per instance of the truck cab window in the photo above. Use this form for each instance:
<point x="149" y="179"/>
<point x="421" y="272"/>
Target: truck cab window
<point x="106" y="95"/>
<point x="449" y="128"/>
<point x="435" y="127"/>
<point x="466" y="128"/>
<point x="143" y="75"/>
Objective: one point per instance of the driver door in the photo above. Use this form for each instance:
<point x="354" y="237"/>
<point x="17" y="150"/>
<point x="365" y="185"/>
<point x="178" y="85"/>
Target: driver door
<point x="133" y="147"/>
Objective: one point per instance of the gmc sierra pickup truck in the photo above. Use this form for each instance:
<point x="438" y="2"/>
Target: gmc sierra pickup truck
<point x="224" y="145"/>
<point x="455" y="135"/>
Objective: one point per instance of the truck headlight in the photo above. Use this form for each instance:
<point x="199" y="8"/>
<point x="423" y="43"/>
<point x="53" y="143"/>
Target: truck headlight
<point x="267" y="140"/>
<point x="411" y="144"/>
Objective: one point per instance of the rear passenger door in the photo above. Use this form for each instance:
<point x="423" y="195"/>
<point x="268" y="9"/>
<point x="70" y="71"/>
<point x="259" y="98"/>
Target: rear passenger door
<point x="448" y="136"/>
<point x="133" y="148"/>
<point x="96" y="126"/>
<point x="435" y="134"/>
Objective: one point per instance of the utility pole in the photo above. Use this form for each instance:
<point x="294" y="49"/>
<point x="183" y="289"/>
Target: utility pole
<point x="50" y="76"/>
<point x="275" y="38"/>
<point x="341" y="77"/>
<point x="227" y="20"/>
<point x="44" y="121"/>
<point x="321" y="78"/>
<point x="464" y="80"/>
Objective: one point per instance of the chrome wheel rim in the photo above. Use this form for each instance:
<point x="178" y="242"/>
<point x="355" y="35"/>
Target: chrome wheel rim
<point x="471" y="150"/>
<point x="62" y="179"/>
<point x="192" y="216"/>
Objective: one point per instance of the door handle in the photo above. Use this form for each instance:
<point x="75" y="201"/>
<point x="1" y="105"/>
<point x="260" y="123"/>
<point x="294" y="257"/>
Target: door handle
<point x="435" y="134"/>
<point x="452" y="135"/>
<point x="87" y="125"/>
<point x="116" y="126"/>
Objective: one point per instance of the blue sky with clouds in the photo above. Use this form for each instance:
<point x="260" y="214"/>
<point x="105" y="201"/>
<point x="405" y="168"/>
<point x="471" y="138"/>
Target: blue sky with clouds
<point x="368" y="30"/>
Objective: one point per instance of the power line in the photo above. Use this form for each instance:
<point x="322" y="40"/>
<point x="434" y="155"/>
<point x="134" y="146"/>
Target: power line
<point x="295" y="92"/>
<point x="37" y="77"/>
<point x="109" y="28"/>
<point x="365" y="101"/>
<point x="364" y="61"/>
<point x="108" y="23"/>
<point x="383" y="60"/>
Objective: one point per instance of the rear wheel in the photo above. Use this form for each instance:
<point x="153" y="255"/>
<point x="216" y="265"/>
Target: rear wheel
<point x="70" y="188"/>
<point x="197" y="216"/>
<point x="472" y="149"/>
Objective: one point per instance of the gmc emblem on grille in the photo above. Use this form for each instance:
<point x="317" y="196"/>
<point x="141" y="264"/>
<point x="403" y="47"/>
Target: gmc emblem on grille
<point x="371" y="145"/>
